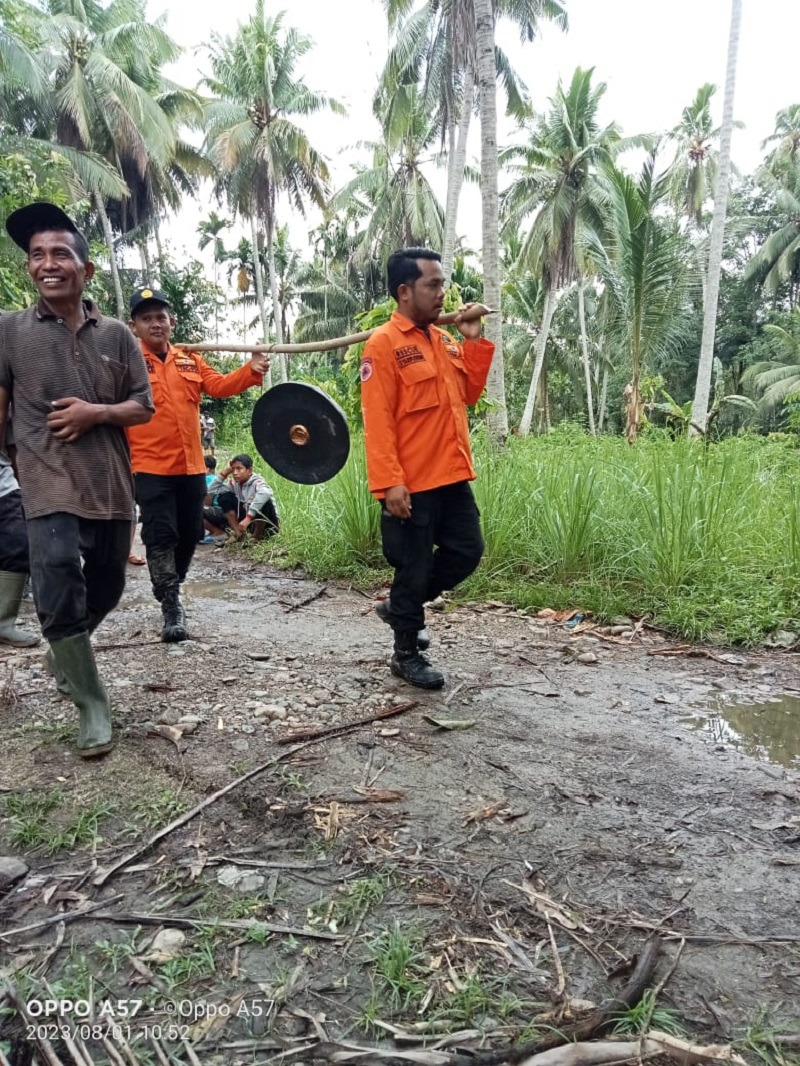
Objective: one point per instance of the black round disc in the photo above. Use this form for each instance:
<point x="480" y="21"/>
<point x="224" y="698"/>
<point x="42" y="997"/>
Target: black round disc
<point x="276" y="416"/>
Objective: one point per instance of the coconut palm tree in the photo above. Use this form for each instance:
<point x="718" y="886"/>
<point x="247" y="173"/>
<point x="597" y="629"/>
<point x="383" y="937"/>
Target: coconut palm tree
<point x="434" y="46"/>
<point x="702" y="390"/>
<point x="556" y="184"/>
<point x="101" y="67"/>
<point x="694" y="172"/>
<point x="209" y="230"/>
<point x="252" y="135"/>
<point x="778" y="378"/>
<point x="777" y="261"/>
<point x="461" y="52"/>
<point x="646" y="264"/>
<point x="786" y="138"/>
<point x="393" y="193"/>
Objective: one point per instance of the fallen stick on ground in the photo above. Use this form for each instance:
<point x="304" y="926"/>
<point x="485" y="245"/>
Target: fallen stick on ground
<point x="305" y="740"/>
<point x="337" y="730"/>
<point x="305" y="601"/>
<point x="43" y="1045"/>
<point x="187" y="922"/>
<point x="62" y="916"/>
<point x="109" y="872"/>
<point x="597" y="1053"/>
<point x="584" y="1029"/>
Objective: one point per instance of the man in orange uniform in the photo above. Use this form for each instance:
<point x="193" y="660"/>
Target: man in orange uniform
<point x="416" y="381"/>
<point x="167" y="453"/>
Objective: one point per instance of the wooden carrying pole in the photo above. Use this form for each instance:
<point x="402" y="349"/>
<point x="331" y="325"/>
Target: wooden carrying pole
<point x="469" y="314"/>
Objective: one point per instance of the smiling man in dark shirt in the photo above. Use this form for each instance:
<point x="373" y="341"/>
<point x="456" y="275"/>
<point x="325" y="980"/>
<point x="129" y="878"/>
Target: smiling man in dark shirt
<point x="76" y="379"/>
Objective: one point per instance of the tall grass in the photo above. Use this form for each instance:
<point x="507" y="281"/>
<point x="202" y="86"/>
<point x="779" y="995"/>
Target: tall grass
<point x="704" y="540"/>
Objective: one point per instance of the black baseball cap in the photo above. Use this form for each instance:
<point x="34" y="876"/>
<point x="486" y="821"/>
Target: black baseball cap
<point x="148" y="295"/>
<point x="37" y="217"/>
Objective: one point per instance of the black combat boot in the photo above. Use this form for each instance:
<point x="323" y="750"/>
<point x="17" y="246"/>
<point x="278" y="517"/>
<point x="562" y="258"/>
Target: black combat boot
<point x="384" y="611"/>
<point x="408" y="663"/>
<point x="174" y="619"/>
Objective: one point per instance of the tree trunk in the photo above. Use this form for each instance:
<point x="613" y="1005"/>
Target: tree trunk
<point x="143" y="261"/>
<point x="703" y="386"/>
<point x="112" y="253"/>
<point x="456" y="161"/>
<point x="601" y="407"/>
<point x="633" y="409"/>
<point x="162" y="259"/>
<point x="587" y="370"/>
<point x="538" y="361"/>
<point x="258" y="277"/>
<point x="259" y="281"/>
<point x="281" y="360"/>
<point x="147" y="265"/>
<point x="497" y="419"/>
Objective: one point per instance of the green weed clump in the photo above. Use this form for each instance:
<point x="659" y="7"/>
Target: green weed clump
<point x="704" y="540"/>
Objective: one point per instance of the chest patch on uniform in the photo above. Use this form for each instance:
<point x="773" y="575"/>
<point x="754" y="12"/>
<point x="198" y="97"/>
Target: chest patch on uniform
<point x="406" y="356"/>
<point x="366" y="368"/>
<point x="186" y="366"/>
<point x="453" y="351"/>
<point x="151" y="366"/>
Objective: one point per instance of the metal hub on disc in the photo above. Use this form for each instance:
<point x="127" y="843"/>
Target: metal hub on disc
<point x="301" y="432"/>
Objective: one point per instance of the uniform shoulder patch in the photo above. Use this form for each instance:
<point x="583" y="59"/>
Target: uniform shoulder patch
<point x="366" y="368"/>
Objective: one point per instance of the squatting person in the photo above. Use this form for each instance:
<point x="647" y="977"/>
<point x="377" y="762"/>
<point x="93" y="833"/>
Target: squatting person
<point x="77" y="379"/>
<point x="167" y="453"/>
<point x="416" y="381"/>
<point x="245" y="503"/>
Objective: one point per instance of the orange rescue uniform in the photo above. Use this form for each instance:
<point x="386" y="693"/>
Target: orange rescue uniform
<point x="414" y="391"/>
<point x="170" y="442"/>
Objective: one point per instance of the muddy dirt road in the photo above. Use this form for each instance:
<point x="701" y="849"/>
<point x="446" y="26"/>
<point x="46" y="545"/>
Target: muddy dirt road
<point x="481" y="878"/>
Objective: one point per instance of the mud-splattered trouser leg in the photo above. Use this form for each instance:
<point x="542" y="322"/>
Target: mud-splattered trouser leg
<point x="172" y="523"/>
<point x="78" y="571"/>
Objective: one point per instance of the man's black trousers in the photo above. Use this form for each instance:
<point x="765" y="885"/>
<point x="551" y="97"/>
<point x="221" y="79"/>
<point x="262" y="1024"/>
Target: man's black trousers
<point x="14" y="536"/>
<point x="436" y="548"/>
<point x="77" y="570"/>
<point x="171" y="507"/>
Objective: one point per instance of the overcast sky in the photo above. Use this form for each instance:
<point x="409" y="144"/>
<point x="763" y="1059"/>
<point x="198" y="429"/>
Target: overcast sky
<point x="653" y="57"/>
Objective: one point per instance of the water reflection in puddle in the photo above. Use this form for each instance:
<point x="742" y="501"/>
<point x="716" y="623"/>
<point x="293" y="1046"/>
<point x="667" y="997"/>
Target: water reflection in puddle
<point x="769" y="730"/>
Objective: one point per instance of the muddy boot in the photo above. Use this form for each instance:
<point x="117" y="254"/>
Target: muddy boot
<point x="384" y="612"/>
<point x="413" y="667"/>
<point x="174" y="619"/>
<point x="73" y="657"/>
<point x="11" y="588"/>
<point x="60" y="679"/>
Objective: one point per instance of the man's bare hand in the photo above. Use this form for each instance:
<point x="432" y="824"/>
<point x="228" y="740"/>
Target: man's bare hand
<point x="71" y="418"/>
<point x="398" y="501"/>
<point x="470" y="331"/>
<point x="259" y="363"/>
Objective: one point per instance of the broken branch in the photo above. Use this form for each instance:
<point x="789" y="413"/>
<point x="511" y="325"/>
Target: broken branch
<point x="339" y="730"/>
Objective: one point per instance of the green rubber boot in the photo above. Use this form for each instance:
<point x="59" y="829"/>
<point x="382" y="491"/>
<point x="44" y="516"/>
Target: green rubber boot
<point x="11" y="589"/>
<point x="61" y="682"/>
<point x="73" y="657"/>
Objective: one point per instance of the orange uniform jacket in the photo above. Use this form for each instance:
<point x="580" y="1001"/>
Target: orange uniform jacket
<point x="414" y="389"/>
<point x="170" y="442"/>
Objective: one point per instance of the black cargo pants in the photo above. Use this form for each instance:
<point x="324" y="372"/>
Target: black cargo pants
<point x="171" y="507"/>
<point x="435" y="549"/>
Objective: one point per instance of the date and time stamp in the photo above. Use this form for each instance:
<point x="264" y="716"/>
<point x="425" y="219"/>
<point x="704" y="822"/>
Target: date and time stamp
<point x="123" y="1019"/>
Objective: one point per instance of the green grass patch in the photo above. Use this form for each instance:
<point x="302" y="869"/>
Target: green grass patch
<point x="704" y="540"/>
<point x="36" y="822"/>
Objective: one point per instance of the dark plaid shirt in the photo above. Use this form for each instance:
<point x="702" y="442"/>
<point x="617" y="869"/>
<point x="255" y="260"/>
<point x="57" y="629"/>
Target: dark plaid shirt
<point x="42" y="360"/>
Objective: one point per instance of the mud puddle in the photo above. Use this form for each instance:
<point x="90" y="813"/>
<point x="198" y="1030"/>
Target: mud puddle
<point x="768" y="729"/>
